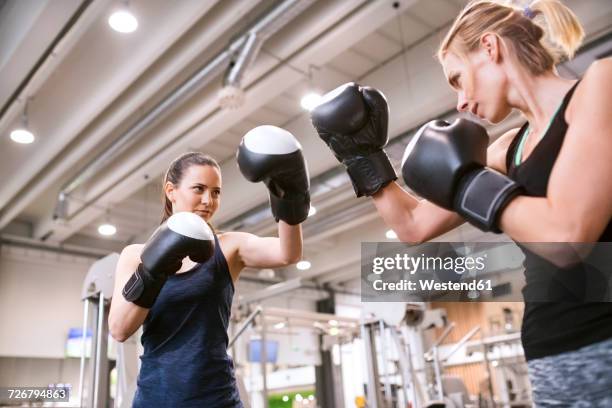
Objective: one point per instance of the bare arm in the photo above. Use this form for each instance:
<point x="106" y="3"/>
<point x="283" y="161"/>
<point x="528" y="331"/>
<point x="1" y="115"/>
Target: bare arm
<point x="125" y="317"/>
<point x="415" y="220"/>
<point x="271" y="252"/>
<point x="578" y="204"/>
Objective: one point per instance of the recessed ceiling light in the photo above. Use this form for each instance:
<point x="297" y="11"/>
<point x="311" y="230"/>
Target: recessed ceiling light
<point x="107" y="229"/>
<point x="123" y="21"/>
<point x="390" y="234"/>
<point x="303" y="265"/>
<point x="22" y="136"/>
<point x="310" y="101"/>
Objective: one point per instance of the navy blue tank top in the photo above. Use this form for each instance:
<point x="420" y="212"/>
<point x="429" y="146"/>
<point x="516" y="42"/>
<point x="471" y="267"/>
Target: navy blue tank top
<point x="565" y="323"/>
<point x="185" y="361"/>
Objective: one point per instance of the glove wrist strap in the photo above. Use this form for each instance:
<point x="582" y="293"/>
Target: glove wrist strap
<point x="370" y="173"/>
<point x="292" y="210"/>
<point x="482" y="197"/>
<point x="142" y="288"/>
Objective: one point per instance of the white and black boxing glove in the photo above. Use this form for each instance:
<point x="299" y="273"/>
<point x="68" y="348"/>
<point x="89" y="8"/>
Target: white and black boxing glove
<point x="183" y="234"/>
<point x="274" y="156"/>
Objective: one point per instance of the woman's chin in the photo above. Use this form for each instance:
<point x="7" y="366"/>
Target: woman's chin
<point x="206" y="216"/>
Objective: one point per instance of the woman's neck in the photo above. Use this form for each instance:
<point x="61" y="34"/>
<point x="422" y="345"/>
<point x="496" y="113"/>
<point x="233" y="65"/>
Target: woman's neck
<point x="538" y="97"/>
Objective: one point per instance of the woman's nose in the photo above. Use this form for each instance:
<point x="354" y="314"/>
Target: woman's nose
<point x="462" y="104"/>
<point x="206" y="197"/>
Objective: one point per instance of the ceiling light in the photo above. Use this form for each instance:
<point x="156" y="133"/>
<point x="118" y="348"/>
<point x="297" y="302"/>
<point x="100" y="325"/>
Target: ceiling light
<point x="303" y="265"/>
<point x="298" y="397"/>
<point x="333" y="322"/>
<point x="231" y="97"/>
<point x="123" y="21"/>
<point x="279" y="325"/>
<point x="390" y="234"/>
<point x="22" y="136"/>
<point x="312" y="211"/>
<point x="310" y="101"/>
<point x="333" y="331"/>
<point x="107" y="229"/>
<point x="285" y="398"/>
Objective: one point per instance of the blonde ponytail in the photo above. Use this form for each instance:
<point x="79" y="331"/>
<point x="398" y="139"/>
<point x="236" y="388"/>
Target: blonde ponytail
<point x="541" y="35"/>
<point x="564" y="33"/>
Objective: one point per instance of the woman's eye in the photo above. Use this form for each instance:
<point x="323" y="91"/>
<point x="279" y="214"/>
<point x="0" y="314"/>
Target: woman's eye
<point x="216" y="193"/>
<point x="198" y="189"/>
<point x="459" y="82"/>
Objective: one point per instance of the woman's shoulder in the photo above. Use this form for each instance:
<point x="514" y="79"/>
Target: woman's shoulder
<point x="594" y="88"/>
<point x="233" y="237"/>
<point x="600" y="67"/>
<point x="132" y="251"/>
<point x="597" y="78"/>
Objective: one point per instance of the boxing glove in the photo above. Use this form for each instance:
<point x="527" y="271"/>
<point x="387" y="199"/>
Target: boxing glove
<point x="446" y="164"/>
<point x="273" y="155"/>
<point x="183" y="234"/>
<point x="353" y="120"/>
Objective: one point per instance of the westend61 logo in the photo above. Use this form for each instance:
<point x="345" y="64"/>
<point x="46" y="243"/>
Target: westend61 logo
<point x="423" y="263"/>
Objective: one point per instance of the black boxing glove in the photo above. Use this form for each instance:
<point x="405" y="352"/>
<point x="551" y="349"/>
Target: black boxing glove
<point x="446" y="164"/>
<point x="353" y="121"/>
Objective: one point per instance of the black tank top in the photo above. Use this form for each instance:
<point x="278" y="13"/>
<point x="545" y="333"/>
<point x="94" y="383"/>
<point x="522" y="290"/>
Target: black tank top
<point x="185" y="361"/>
<point x="551" y="328"/>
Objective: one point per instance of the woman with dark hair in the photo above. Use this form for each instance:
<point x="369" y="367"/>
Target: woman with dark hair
<point x="548" y="181"/>
<point x="180" y="284"/>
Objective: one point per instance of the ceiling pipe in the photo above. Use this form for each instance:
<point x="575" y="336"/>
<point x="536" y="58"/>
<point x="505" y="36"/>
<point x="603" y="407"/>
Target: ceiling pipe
<point x="53" y="55"/>
<point x="67" y="249"/>
<point x="261" y="30"/>
<point x="231" y="95"/>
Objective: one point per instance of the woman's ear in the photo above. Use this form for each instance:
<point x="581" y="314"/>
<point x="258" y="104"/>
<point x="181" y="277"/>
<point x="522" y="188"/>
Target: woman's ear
<point x="490" y="43"/>
<point x="169" y="191"/>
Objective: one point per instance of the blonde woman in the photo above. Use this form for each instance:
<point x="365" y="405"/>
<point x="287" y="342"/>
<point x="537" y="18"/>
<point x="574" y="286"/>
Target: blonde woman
<point x="548" y="181"/>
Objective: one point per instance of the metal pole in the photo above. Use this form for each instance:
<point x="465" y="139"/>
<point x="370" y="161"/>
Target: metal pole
<point x="101" y="363"/>
<point x="98" y="351"/>
<point x="438" y="372"/>
<point x="402" y="368"/>
<point x="417" y="391"/>
<point x="461" y="342"/>
<point x="444" y="334"/>
<point x="485" y="350"/>
<point x="412" y="375"/>
<point x="374" y="397"/>
<point x="83" y="350"/>
<point x="245" y="325"/>
<point x="264" y="361"/>
<point x="383" y="346"/>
